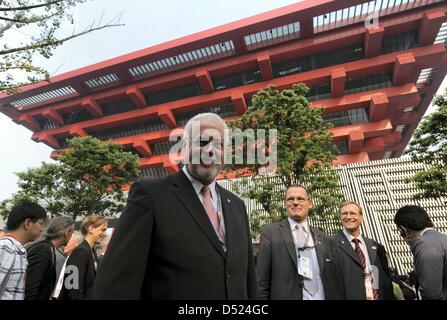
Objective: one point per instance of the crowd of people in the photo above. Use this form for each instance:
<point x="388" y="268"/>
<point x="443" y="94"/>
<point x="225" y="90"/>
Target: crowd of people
<point x="186" y="237"/>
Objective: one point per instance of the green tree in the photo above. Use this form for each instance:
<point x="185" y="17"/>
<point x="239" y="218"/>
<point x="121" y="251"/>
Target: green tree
<point x="43" y="19"/>
<point x="305" y="152"/>
<point x="429" y="146"/>
<point x="88" y="178"/>
<point x="6" y="205"/>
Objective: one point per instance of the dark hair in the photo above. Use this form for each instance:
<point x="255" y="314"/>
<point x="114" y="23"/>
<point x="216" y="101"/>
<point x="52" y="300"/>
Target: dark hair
<point x="296" y="186"/>
<point x="24" y="210"/>
<point x="413" y="217"/>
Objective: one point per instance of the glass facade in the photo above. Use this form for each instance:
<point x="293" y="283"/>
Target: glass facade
<point x="399" y="42"/>
<point x="162" y="147"/>
<point x="317" y="61"/>
<point x="236" y="79"/>
<point x="77" y="116"/>
<point x="368" y="83"/>
<point x="168" y="95"/>
<point x="225" y="111"/>
<point x="154" y="172"/>
<point x="132" y="129"/>
<point x="346" y="118"/>
<point x="319" y="92"/>
<point x="342" y="146"/>
<point x="117" y="107"/>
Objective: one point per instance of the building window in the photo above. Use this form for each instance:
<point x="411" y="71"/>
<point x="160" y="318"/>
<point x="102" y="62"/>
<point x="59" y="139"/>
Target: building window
<point x="346" y="118"/>
<point x="342" y="146"/>
<point x="154" y="172"/>
<point x="368" y="83"/>
<point x="173" y="94"/>
<point x="118" y="107"/>
<point x="224" y="111"/>
<point x="132" y="129"/>
<point x="47" y="124"/>
<point x="399" y="42"/>
<point x="77" y="116"/>
<point x="319" y="92"/>
<point x="317" y="61"/>
<point x="237" y="79"/>
<point x="162" y="147"/>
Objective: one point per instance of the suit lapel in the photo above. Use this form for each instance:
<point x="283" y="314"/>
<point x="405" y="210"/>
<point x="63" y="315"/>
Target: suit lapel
<point x="184" y="191"/>
<point x="372" y="250"/>
<point x="347" y="247"/>
<point x="320" y="249"/>
<point x="229" y="219"/>
<point x="286" y="234"/>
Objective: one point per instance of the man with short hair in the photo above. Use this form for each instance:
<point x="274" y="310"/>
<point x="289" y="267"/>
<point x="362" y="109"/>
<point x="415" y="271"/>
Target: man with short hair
<point x="182" y="236"/>
<point x="41" y="271"/>
<point x="429" y="248"/>
<point x="367" y="275"/>
<point x="296" y="261"/>
<point x="25" y="224"/>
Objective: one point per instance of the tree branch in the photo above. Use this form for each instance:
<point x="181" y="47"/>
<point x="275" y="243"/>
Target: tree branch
<point x="34" y="19"/>
<point x="57" y="42"/>
<point x="23" y="8"/>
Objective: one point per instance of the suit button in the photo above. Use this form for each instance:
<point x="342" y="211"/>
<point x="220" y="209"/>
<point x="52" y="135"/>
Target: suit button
<point x="227" y="275"/>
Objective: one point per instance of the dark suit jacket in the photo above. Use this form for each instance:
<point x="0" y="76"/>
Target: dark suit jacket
<point x="354" y="273"/>
<point x="277" y="271"/>
<point x="430" y="264"/>
<point x="83" y="259"/>
<point x="164" y="247"/>
<point x="41" y="271"/>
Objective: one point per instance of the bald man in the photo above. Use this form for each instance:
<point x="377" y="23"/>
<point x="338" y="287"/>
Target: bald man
<point x="182" y="236"/>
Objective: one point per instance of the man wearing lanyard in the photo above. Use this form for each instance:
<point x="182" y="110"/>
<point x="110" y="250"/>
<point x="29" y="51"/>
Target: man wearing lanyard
<point x="25" y="224"/>
<point x="296" y="261"/>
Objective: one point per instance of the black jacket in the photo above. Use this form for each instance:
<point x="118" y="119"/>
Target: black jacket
<point x="277" y="272"/>
<point x="83" y="258"/>
<point x="41" y="271"/>
<point x="164" y="247"/>
<point x="354" y="274"/>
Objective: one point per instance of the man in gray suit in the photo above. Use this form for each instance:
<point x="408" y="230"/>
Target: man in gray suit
<point x="296" y="261"/>
<point x="429" y="248"/>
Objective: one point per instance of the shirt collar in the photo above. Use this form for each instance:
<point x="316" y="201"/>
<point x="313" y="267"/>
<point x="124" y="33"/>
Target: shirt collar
<point x="425" y="230"/>
<point x="351" y="237"/>
<point x="18" y="246"/>
<point x="293" y="224"/>
<point x="197" y="185"/>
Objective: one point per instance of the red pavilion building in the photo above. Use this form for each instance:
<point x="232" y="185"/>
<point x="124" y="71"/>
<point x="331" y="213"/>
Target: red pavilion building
<point x="373" y="65"/>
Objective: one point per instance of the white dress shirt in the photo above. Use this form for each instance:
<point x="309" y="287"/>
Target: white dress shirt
<point x="319" y="295"/>
<point x="215" y="196"/>
<point x="369" y="280"/>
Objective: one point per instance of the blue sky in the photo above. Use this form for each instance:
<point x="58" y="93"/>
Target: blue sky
<point x="147" y="23"/>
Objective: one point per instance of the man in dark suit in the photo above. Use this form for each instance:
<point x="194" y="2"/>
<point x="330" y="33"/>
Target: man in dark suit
<point x="41" y="271"/>
<point x="182" y="236"/>
<point x="429" y="248"/>
<point x="296" y="261"/>
<point x="365" y="265"/>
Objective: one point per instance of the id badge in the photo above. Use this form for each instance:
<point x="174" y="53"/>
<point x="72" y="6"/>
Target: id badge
<point x="305" y="267"/>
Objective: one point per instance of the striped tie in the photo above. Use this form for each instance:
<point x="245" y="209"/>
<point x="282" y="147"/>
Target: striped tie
<point x="362" y="259"/>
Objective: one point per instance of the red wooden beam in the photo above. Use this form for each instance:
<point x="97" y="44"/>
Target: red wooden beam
<point x="373" y="41"/>
<point x="430" y="25"/>
<point x="265" y="66"/>
<point x="356" y="139"/>
<point x="377" y="108"/>
<point x="28" y="121"/>
<point x="92" y="107"/>
<point x="137" y="97"/>
<point x="404" y="68"/>
<point x="338" y="81"/>
<point x="53" y="116"/>
<point x="238" y="100"/>
<point x="205" y="81"/>
<point x="167" y="116"/>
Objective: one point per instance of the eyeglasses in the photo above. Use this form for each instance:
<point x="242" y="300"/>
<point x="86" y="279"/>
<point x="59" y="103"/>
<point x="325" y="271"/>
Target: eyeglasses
<point x="203" y="142"/>
<point x="300" y="200"/>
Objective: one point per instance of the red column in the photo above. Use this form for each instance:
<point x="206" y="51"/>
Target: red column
<point x="373" y="41"/>
<point x="205" y="81"/>
<point x="338" y="81"/>
<point x="238" y="100"/>
<point x="265" y="66"/>
<point x="404" y="68"/>
<point x="377" y="108"/>
<point x="430" y="25"/>
<point x="355" y="141"/>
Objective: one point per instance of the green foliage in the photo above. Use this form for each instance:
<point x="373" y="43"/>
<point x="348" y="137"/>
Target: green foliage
<point x="429" y="146"/>
<point x="87" y="179"/>
<point x="6" y="205"/>
<point x="44" y="19"/>
<point x="305" y="152"/>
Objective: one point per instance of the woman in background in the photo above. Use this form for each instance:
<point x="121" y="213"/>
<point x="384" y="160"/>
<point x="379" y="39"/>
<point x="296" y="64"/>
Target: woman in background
<point x="80" y="271"/>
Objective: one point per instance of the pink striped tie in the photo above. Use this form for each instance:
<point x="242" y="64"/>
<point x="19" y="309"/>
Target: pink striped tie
<point x="211" y="212"/>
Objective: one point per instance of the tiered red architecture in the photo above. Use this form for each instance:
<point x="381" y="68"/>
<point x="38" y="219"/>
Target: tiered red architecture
<point x="375" y="79"/>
